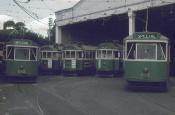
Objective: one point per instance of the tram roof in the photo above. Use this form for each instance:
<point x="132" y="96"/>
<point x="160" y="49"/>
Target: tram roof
<point x="72" y="47"/>
<point x="21" y="42"/>
<point x="88" y="47"/>
<point x="110" y="45"/>
<point x="48" y="48"/>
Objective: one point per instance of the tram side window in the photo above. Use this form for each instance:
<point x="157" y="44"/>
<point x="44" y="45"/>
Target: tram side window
<point x="55" y="56"/>
<point x="116" y="54"/>
<point x="63" y="55"/>
<point x="59" y="54"/>
<point x="161" y="51"/>
<point x="33" y="54"/>
<point x="22" y="53"/>
<point x="10" y="52"/>
<point x="146" y="51"/>
<point x="109" y="54"/>
<point x="72" y="54"/>
<point x="79" y="54"/>
<point x="131" y="50"/>
<point x="44" y="55"/>
<point x="92" y="55"/>
<point x="67" y="54"/>
<point x="104" y="55"/>
<point x="1" y="46"/>
<point x="87" y="54"/>
<point x="98" y="53"/>
<point x="49" y="55"/>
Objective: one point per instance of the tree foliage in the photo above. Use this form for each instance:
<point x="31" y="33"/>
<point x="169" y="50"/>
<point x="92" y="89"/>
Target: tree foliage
<point x="9" y="23"/>
<point x="19" y="31"/>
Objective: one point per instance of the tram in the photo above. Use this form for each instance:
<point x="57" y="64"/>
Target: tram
<point x="146" y="59"/>
<point x="79" y="59"/>
<point x="109" y="59"/>
<point x="2" y="69"/>
<point x="21" y="59"/>
<point x="72" y="55"/>
<point x="88" y="60"/>
<point x="50" y="60"/>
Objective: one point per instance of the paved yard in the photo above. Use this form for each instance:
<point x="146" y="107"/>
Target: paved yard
<point x="56" y="95"/>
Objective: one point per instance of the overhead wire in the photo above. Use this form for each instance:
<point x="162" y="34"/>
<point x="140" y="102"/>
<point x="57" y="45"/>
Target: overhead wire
<point x="31" y="14"/>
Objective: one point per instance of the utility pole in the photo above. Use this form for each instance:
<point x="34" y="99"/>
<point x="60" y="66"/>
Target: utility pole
<point x="50" y="23"/>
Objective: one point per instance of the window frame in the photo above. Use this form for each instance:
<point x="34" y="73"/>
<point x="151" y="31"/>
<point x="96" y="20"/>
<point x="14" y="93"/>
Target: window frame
<point x="125" y="54"/>
<point x="18" y="47"/>
<point x="99" y="54"/>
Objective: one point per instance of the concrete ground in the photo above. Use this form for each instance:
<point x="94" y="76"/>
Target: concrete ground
<point x="57" y="95"/>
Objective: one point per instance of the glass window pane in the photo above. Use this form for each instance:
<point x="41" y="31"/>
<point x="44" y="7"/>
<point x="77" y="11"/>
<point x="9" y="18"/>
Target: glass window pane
<point x="72" y="54"/>
<point x="98" y="54"/>
<point x="116" y="54"/>
<point x="44" y="55"/>
<point x="33" y="53"/>
<point x="87" y="54"/>
<point x="49" y="55"/>
<point x="10" y="53"/>
<point x="22" y="53"/>
<point x="55" y="56"/>
<point x="93" y="55"/>
<point x="104" y="54"/>
<point x="109" y="54"/>
<point x="146" y="51"/>
<point x="67" y="54"/>
<point x="63" y="54"/>
<point x="79" y="54"/>
<point x="161" y="51"/>
<point x="131" y="51"/>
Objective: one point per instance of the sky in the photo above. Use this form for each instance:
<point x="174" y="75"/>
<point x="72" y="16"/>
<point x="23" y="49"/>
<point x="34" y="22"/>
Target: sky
<point x="39" y="11"/>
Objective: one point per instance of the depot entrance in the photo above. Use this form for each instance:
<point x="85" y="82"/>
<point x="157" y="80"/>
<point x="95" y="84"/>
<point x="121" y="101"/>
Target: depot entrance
<point x="115" y="27"/>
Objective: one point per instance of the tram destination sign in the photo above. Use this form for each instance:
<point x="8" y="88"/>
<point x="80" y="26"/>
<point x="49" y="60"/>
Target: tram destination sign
<point x="146" y="35"/>
<point x="22" y="43"/>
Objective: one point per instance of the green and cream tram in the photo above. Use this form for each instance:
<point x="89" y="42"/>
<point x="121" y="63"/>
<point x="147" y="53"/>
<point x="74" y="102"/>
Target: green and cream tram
<point x="146" y="59"/>
<point x="50" y="60"/>
<point x="72" y="55"/>
<point x="21" y="59"/>
<point x="109" y="59"/>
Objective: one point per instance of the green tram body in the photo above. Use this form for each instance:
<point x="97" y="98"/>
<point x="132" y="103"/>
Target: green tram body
<point x="21" y="59"/>
<point x="78" y="59"/>
<point x="109" y="59"/>
<point x="88" y="61"/>
<point x="146" y="58"/>
<point x="2" y="69"/>
<point x="50" y="60"/>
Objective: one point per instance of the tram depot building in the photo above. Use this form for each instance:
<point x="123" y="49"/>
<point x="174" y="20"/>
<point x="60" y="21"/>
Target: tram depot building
<point x="96" y="21"/>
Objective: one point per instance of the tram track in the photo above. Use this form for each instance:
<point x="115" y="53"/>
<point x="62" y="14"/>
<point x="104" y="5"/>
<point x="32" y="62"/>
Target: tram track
<point x="146" y="99"/>
<point x="31" y="102"/>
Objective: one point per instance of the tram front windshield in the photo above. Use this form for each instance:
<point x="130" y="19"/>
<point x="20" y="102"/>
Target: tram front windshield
<point x="21" y="53"/>
<point x="54" y="55"/>
<point x="72" y="54"/>
<point x="146" y="51"/>
<point x="108" y="54"/>
<point x="89" y="55"/>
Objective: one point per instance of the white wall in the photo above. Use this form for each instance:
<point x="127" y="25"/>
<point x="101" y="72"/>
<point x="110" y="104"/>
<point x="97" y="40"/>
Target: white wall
<point x="93" y="9"/>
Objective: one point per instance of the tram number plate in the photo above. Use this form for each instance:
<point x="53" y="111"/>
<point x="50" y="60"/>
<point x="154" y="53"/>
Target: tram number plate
<point x="21" y="71"/>
<point x="73" y="64"/>
<point x="49" y="64"/>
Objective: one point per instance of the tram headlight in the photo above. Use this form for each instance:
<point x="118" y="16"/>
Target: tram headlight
<point x="21" y="67"/>
<point x="145" y="70"/>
